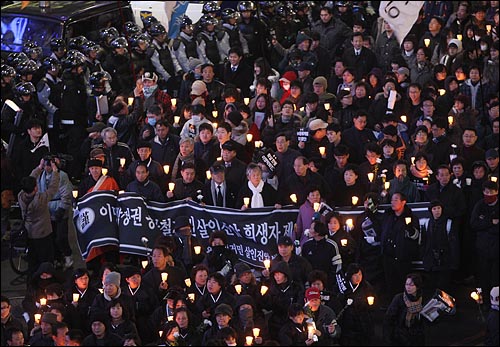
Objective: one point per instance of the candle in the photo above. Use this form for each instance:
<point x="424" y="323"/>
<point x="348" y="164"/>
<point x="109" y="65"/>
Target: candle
<point x="310" y="332"/>
<point x="488" y="28"/>
<point x="38" y="316"/>
<point x="130" y="101"/>
<point x="387" y="185"/>
<point x="215" y="114"/>
<point x="166" y="169"/>
<point x="403" y="118"/>
<point x="354" y="200"/>
<point x="370" y="176"/>
<point x="468" y="181"/>
<point x="170" y="318"/>
<point x="160" y="333"/>
<point x="474" y="296"/>
<point x="164" y="276"/>
<point x="257" y="144"/>
<point x="441" y="92"/>
<point x="327" y="106"/>
<point x="246" y="101"/>
<point x="322" y="150"/>
<point x="249" y="340"/>
<point x="459" y="36"/>
<point x="301" y="109"/>
<point x="188" y="282"/>
<point x="343" y="242"/>
<point x="370" y="300"/>
<point x="197" y="249"/>
<point x="191" y="297"/>
<point x="427" y="42"/>
<point x="43" y="302"/>
<point x="237" y="287"/>
<point x="177" y="119"/>
<point x="412" y="160"/>
<point x="104" y="171"/>
<point x="349" y="223"/>
<point x="493" y="179"/>
<point x="450" y="120"/>
<point x="76" y="296"/>
<point x="219" y="158"/>
<point x="267" y="263"/>
<point x="249" y="137"/>
<point x="173" y="101"/>
<point x="293" y="197"/>
<point x="209" y="174"/>
<point x="171" y="186"/>
<point x="263" y="290"/>
<point x="121" y="191"/>
<point x="101" y="290"/>
<point x="246" y="201"/>
<point x="256" y="332"/>
<point x="316" y="206"/>
<point x="215" y="125"/>
<point x="407" y="220"/>
<point x="75" y="193"/>
<point x="144" y="264"/>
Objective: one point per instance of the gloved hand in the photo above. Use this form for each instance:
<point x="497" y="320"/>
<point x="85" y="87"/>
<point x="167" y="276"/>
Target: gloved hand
<point x="59" y="214"/>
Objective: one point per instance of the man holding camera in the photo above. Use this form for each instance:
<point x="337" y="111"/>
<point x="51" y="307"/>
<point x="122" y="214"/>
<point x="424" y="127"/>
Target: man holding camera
<point x="59" y="206"/>
<point x="36" y="215"/>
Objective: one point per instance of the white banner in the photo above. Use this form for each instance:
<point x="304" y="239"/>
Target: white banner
<point x="401" y="15"/>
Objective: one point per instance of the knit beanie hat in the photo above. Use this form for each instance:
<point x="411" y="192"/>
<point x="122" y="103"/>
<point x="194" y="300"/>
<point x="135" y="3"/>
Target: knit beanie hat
<point x="321" y="80"/>
<point x="235" y="117"/>
<point x="113" y="278"/>
<point x="198" y="87"/>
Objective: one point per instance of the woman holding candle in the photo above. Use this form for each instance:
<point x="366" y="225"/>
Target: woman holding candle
<point x="421" y="174"/>
<point x="307" y="214"/>
<point x="350" y="187"/>
<point x="187" y="332"/>
<point x="120" y="322"/>
<point x="356" y="321"/>
<point x="244" y="276"/>
<point x="216" y="295"/>
<point x="340" y="233"/>
<point x="295" y="331"/>
<point x="403" y="325"/>
<point x="261" y="194"/>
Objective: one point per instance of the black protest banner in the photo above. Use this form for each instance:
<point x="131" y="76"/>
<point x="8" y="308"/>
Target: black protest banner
<point x="251" y="234"/>
<point x="95" y="221"/>
<point x="124" y="220"/>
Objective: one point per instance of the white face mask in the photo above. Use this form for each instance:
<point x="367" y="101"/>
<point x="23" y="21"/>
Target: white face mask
<point x="196" y="119"/>
<point x="484" y="48"/>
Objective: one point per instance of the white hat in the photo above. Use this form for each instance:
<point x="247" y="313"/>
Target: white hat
<point x="317" y="124"/>
<point x="149" y="75"/>
<point x="494" y="296"/>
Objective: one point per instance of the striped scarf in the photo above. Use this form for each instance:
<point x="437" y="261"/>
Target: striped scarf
<point x="413" y="308"/>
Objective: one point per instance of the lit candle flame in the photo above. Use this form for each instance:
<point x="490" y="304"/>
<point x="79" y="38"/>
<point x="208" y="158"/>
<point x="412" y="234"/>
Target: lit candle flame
<point x="209" y="174"/>
<point x="166" y="169"/>
<point x="427" y="42"/>
<point x="246" y="101"/>
<point x="450" y="120"/>
<point x="370" y="176"/>
<point x="249" y="137"/>
<point x="215" y="125"/>
<point x="459" y="37"/>
<point x="263" y="290"/>
<point x="256" y="332"/>
<point x="104" y="171"/>
<point x="327" y="106"/>
<point x="144" y="264"/>
<point x="349" y="223"/>
<point x="403" y="118"/>
<point x="322" y="150"/>
<point x="370" y="300"/>
<point x="215" y="114"/>
<point x="38" y="316"/>
<point x="316" y="206"/>
<point x="237" y="287"/>
<point x="177" y="119"/>
<point x="293" y="197"/>
<point x="249" y="340"/>
<point x="191" y="297"/>
<point x="488" y="28"/>
<point x="246" y="201"/>
<point x="354" y="200"/>
<point x="407" y="220"/>
<point x="188" y="282"/>
<point x="122" y="162"/>
<point x="387" y="185"/>
<point x="43" y="301"/>
<point x="442" y="92"/>
<point x="173" y="101"/>
<point x="76" y="296"/>
<point x="197" y="249"/>
<point x="343" y="242"/>
<point x="130" y="101"/>
<point x="475" y="296"/>
<point x="75" y="193"/>
<point x="164" y="276"/>
<point x="493" y="179"/>
<point x="267" y="263"/>
<point x="171" y="186"/>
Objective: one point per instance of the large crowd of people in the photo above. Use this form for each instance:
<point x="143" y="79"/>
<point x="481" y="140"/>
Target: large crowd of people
<point x="352" y="116"/>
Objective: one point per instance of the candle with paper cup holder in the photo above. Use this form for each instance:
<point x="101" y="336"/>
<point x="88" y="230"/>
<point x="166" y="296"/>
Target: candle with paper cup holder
<point x="354" y="200"/>
<point x="122" y="162"/>
<point x="104" y="171"/>
<point x="246" y="201"/>
<point x="177" y="119"/>
<point x="144" y="264"/>
<point x="263" y="290"/>
<point x="370" y="300"/>
<point x="164" y="276"/>
<point x="76" y="296"/>
<point x="197" y="249"/>
<point x="187" y="281"/>
<point x="407" y="220"/>
<point x="173" y="101"/>
<point x="237" y="287"/>
<point x="293" y="197"/>
<point x="209" y="174"/>
<point x="370" y="176"/>
<point x="249" y="137"/>
<point x="256" y="332"/>
<point x="171" y="186"/>
<point x="267" y="263"/>
<point x="322" y="150"/>
<point x="166" y="169"/>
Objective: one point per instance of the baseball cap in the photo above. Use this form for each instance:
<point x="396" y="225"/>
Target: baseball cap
<point x="312" y="293"/>
<point x="317" y="124"/>
<point x="285" y="240"/>
<point x="491" y="153"/>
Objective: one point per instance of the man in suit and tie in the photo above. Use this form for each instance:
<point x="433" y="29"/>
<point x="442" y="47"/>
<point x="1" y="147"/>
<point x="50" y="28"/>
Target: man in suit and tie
<point x="235" y="168"/>
<point x="237" y="72"/>
<point x="361" y="59"/>
<point x="217" y="191"/>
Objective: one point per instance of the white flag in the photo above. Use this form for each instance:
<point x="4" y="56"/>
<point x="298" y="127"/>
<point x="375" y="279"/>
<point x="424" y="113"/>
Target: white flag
<point x="44" y="141"/>
<point x="401" y="15"/>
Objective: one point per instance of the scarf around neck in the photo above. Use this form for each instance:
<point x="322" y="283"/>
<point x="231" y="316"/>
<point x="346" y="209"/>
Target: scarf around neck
<point x="257" y="200"/>
<point x="413" y="307"/>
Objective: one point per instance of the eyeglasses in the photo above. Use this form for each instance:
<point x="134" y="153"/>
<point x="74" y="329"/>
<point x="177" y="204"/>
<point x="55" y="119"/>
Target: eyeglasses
<point x="287" y="106"/>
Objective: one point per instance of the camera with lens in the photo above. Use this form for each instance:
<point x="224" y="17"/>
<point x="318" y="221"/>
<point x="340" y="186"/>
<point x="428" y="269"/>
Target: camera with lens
<point x="64" y="159"/>
<point x="50" y="158"/>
